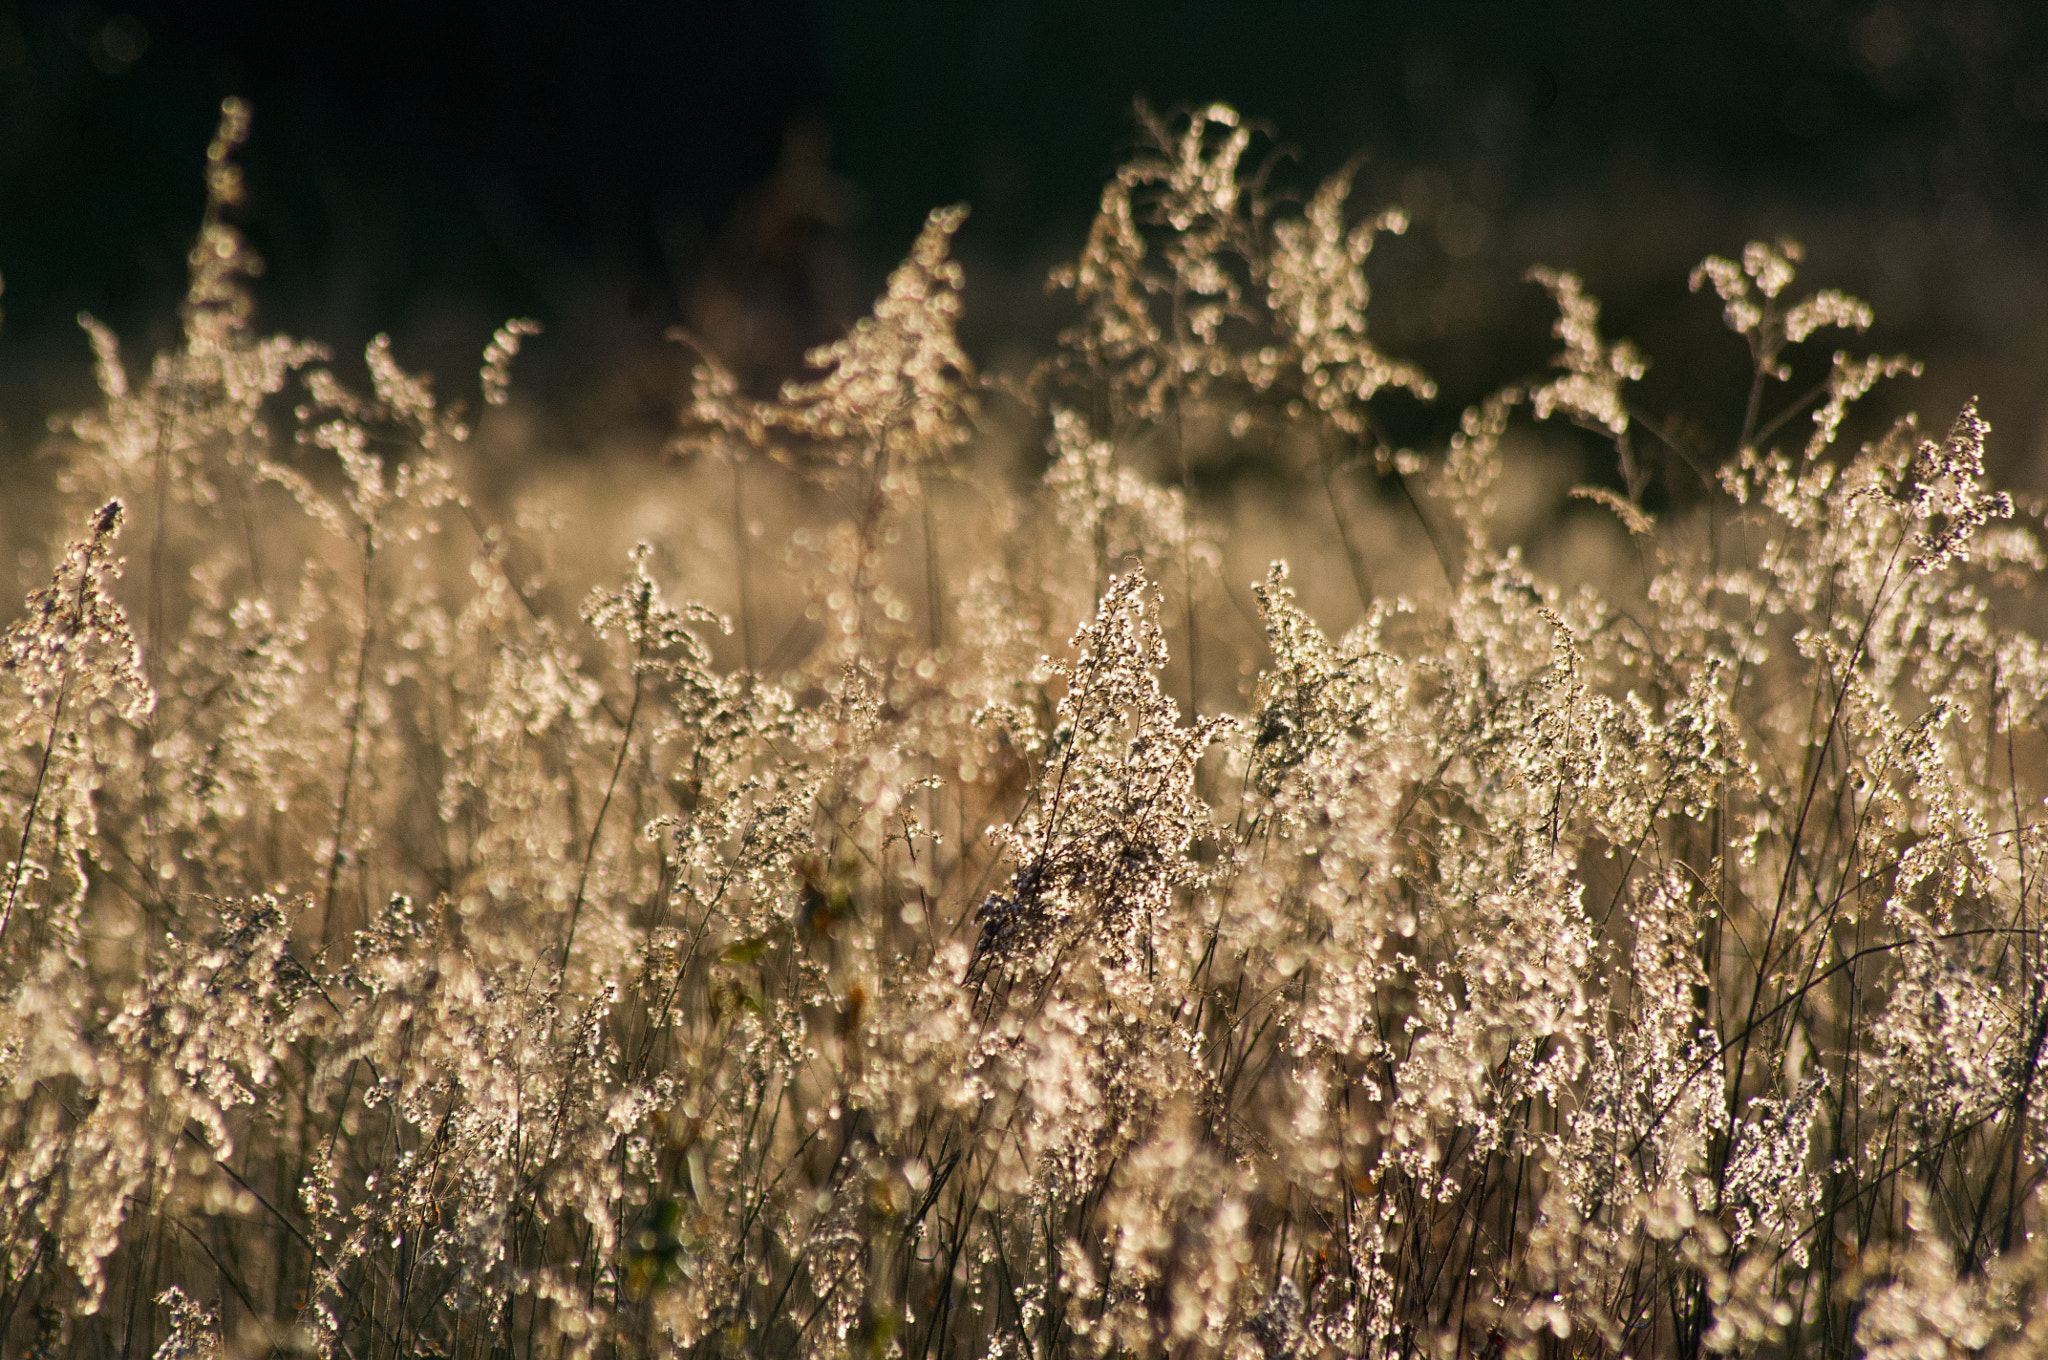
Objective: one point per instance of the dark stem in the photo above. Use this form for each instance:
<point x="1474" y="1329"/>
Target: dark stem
<point x="935" y="599"/>
<point x="1360" y="577"/>
<point x="35" y="800"/>
<point x="739" y="548"/>
<point x="597" y="826"/>
<point x="355" y="742"/>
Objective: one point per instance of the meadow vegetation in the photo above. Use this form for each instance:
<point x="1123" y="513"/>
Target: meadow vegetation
<point x="988" y="924"/>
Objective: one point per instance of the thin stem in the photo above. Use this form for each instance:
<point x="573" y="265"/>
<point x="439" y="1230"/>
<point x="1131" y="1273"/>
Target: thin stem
<point x="1360" y="577"/>
<point x="35" y="801"/>
<point x="355" y="741"/>
<point x="1443" y="558"/>
<point x="740" y="562"/>
<point x="935" y="599"/>
<point x="597" y="826"/>
<point x="1187" y="557"/>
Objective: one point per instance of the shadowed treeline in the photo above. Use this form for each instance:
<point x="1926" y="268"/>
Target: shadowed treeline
<point x="749" y="171"/>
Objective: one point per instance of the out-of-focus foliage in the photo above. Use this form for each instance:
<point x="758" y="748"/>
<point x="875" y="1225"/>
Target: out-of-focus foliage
<point x="396" y="960"/>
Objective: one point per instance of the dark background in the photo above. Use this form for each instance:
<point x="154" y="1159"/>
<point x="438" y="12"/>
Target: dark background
<point x="752" y="169"/>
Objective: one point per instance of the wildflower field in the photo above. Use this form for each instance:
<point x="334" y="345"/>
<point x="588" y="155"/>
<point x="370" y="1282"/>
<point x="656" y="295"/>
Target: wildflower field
<point x="951" y="893"/>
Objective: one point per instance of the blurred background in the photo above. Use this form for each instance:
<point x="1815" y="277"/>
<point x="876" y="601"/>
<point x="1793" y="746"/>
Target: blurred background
<point x="751" y="170"/>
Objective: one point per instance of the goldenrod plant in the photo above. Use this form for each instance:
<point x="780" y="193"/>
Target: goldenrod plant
<point x="929" y="899"/>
